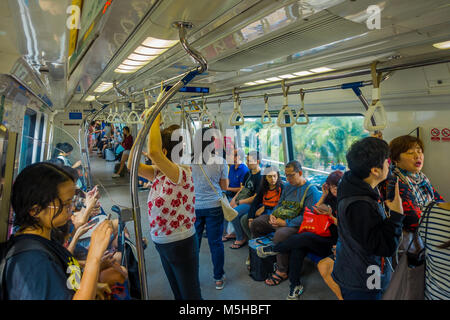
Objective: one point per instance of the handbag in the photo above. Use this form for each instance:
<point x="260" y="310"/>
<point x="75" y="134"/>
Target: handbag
<point x="290" y="209"/>
<point x="408" y="280"/>
<point x="228" y="212"/>
<point x="316" y="223"/>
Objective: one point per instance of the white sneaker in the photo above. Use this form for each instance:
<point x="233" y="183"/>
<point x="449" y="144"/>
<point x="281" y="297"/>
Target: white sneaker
<point x="220" y="283"/>
<point x="295" y="293"/>
<point x="115" y="175"/>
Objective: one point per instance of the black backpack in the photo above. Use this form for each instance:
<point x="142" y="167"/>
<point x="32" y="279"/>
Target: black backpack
<point x="11" y="248"/>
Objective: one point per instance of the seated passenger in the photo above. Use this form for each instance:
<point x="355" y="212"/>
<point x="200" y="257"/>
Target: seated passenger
<point x="242" y="201"/>
<point x="266" y="199"/>
<point x="367" y="236"/>
<point x="300" y="244"/>
<point x="171" y="212"/>
<point x="42" y="200"/>
<point x="62" y="152"/>
<point x="297" y="194"/>
<point x="126" y="144"/>
<point x="237" y="175"/>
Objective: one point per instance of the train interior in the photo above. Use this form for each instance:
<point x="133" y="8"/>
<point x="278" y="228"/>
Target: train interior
<point x="64" y="61"/>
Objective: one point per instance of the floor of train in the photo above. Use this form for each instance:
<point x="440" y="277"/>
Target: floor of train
<point x="238" y="286"/>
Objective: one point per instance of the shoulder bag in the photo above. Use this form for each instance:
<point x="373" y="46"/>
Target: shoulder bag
<point x="228" y="212"/>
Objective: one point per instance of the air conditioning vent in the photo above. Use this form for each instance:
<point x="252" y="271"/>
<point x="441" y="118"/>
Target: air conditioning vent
<point x="321" y="29"/>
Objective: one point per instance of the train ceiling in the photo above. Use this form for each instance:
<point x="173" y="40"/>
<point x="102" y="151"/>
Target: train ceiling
<point x="243" y="41"/>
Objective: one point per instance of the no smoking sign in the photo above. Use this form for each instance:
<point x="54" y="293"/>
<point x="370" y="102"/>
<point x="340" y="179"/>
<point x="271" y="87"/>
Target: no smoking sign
<point x="445" y="134"/>
<point x="435" y="134"/>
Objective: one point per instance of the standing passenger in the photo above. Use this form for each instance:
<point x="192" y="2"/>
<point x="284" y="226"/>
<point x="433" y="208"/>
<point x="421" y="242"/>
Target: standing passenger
<point x="207" y="206"/>
<point x="171" y="212"/>
<point x="127" y="143"/>
<point x="366" y="233"/>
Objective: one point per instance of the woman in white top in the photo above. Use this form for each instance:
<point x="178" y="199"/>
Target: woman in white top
<point x="171" y="212"/>
<point x="207" y="206"/>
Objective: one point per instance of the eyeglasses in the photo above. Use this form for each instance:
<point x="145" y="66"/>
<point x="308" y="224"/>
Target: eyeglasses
<point x="291" y="175"/>
<point x="69" y="206"/>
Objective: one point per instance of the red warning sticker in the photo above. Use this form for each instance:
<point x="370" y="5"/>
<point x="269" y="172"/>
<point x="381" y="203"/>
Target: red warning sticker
<point x="436" y="139"/>
<point x="435" y="132"/>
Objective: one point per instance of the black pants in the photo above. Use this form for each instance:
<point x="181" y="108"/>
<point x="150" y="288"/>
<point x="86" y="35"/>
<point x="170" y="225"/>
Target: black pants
<point x="299" y="245"/>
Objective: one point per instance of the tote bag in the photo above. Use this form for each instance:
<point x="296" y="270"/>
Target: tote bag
<point x="228" y="212"/>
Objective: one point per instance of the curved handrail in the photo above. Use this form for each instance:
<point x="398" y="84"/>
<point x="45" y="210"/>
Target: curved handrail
<point x="285" y="108"/>
<point x="302" y="110"/>
<point x="266" y="112"/>
<point x="137" y="151"/>
<point x="236" y="111"/>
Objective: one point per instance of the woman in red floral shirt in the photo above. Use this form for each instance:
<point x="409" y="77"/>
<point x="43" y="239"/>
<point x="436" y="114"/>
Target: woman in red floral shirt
<point x="171" y="212"/>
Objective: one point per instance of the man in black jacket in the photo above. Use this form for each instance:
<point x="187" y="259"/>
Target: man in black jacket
<point x="368" y="235"/>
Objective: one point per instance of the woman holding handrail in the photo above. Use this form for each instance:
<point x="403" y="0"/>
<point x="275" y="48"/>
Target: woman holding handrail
<point x="171" y="212"/>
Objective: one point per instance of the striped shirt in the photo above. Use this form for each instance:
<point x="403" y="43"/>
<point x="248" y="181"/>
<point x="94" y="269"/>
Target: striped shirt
<point x="437" y="267"/>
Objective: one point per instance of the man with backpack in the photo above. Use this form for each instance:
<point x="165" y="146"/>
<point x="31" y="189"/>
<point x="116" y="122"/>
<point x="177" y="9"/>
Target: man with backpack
<point x="368" y="233"/>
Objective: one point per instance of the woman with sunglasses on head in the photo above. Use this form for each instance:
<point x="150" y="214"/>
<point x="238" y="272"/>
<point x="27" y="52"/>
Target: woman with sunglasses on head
<point x="42" y="200"/>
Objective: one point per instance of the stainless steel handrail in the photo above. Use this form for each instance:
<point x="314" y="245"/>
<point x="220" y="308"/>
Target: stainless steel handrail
<point x="139" y="144"/>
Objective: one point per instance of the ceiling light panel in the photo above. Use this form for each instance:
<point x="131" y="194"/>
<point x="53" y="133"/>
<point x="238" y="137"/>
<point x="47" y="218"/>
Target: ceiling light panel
<point x="140" y="57"/>
<point x="442" y="45"/>
<point x="159" y="43"/>
<point x="322" y="69"/>
<point x="103" y="87"/>
<point x="90" y="98"/>
<point x="273" y="79"/>
<point x="302" y="73"/>
<point x="149" y="51"/>
<point x="287" y="76"/>
<point x="129" y="62"/>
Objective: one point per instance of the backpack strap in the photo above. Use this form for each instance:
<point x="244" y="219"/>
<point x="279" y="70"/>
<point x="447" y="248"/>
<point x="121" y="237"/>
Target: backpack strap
<point x="14" y="248"/>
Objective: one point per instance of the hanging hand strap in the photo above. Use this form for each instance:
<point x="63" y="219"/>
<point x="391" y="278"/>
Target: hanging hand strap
<point x="376" y="103"/>
<point x="236" y="111"/>
<point x="285" y="108"/>
<point x="205" y="116"/>
<point x="266" y="113"/>
<point x="133" y="117"/>
<point x="302" y="111"/>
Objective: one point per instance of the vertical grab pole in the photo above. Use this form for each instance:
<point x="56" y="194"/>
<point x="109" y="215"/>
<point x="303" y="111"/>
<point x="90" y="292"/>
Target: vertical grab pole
<point x="139" y="144"/>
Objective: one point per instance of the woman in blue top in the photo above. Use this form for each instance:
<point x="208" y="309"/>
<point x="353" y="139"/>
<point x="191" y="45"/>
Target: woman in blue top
<point x="208" y="210"/>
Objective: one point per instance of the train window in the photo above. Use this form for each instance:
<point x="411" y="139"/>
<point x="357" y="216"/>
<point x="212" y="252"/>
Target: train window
<point x="40" y="151"/>
<point x="28" y="133"/>
<point x="321" y="145"/>
<point x="267" y="139"/>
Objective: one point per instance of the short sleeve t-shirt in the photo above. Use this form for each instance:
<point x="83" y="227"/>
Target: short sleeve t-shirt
<point x="171" y="207"/>
<point x="237" y="176"/>
<point x="205" y="196"/>
<point x="35" y="275"/>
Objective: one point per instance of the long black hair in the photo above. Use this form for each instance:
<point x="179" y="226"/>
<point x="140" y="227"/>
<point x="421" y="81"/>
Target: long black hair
<point x="62" y="147"/>
<point x="264" y="186"/>
<point x="37" y="185"/>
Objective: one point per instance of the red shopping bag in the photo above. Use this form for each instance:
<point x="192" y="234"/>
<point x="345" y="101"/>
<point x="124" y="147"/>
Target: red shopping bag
<point x="316" y="223"/>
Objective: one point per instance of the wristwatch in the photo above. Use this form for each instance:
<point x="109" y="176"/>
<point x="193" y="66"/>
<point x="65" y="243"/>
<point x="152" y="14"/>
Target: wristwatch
<point x="237" y="202"/>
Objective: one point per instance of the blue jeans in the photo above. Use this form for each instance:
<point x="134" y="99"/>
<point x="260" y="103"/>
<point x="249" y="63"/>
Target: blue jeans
<point x="181" y="265"/>
<point x="242" y="210"/>
<point x="213" y="220"/>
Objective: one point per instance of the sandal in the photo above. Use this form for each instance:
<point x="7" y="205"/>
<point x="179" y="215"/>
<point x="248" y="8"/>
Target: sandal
<point x="237" y="245"/>
<point x="226" y="238"/>
<point x="275" y="278"/>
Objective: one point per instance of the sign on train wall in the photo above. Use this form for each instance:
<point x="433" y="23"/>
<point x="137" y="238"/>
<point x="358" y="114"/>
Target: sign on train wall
<point x="440" y="134"/>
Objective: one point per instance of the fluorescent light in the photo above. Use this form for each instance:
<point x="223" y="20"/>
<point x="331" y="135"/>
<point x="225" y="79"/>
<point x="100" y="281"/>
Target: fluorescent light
<point x="149" y="51"/>
<point x="273" y="79"/>
<point x="322" y="69"/>
<point x="124" y="67"/>
<point x="303" y="73"/>
<point x="139" y="57"/>
<point x="250" y="83"/>
<point x="123" y="71"/>
<point x="129" y="62"/>
<point x="90" y="98"/>
<point x="159" y="43"/>
<point x="287" y="76"/>
<point x="261" y="81"/>
<point x="442" y="45"/>
<point x="103" y="87"/>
